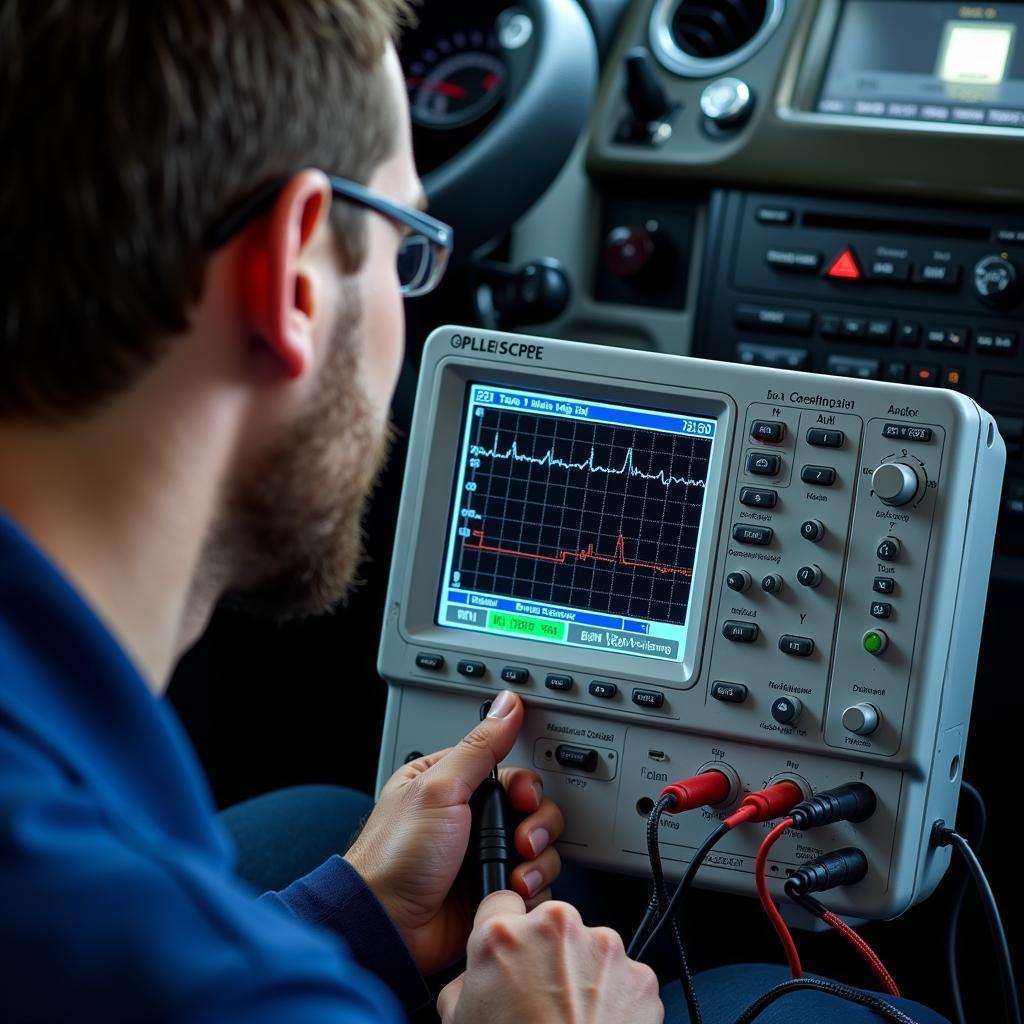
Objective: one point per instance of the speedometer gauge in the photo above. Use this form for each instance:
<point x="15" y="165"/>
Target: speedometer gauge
<point x="455" y="81"/>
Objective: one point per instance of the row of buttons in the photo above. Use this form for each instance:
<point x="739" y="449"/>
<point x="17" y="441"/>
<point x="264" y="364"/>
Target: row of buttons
<point x="844" y="268"/>
<point x="748" y="632"/>
<point x="897" y="372"/>
<point x="762" y="464"/>
<point x="807" y="576"/>
<point x="774" y="432"/>
<point x="563" y="683"/>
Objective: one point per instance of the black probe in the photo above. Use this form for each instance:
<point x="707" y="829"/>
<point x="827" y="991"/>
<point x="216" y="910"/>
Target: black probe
<point x="491" y="851"/>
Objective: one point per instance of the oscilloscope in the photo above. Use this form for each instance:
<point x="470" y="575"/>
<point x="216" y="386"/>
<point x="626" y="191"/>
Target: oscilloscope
<point x="682" y="564"/>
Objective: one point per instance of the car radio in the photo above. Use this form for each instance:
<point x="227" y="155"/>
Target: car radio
<point x="685" y="565"/>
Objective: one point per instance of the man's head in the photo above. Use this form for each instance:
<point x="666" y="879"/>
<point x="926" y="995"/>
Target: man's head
<point x="131" y="129"/>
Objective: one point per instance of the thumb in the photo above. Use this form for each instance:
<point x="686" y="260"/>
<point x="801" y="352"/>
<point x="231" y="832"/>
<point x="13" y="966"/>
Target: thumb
<point x="472" y="759"/>
<point x="449" y="998"/>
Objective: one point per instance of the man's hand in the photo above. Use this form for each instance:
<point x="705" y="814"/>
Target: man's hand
<point x="547" y="968"/>
<point x="413" y="843"/>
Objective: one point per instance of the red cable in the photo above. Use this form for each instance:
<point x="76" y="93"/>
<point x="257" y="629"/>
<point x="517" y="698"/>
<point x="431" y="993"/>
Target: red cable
<point x="869" y="955"/>
<point x="760" y="877"/>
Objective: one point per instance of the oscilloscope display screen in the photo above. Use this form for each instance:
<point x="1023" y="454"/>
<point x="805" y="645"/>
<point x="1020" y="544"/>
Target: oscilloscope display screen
<point x="575" y="522"/>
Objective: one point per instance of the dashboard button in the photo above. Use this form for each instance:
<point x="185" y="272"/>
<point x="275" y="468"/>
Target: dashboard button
<point x="996" y="343"/>
<point x="738" y="581"/>
<point x="938" y="275"/>
<point x="559" y="682"/>
<point x="889" y="550"/>
<point x="758" y="497"/>
<point x="606" y="691"/>
<point x="760" y="535"/>
<point x="875" y="641"/>
<point x="823" y="476"/>
<point x="774" y="215"/>
<point x="772" y="584"/>
<point x="803" y="261"/>
<point x="786" y="710"/>
<point x="906" y="432"/>
<point x="576" y="757"/>
<point x="889" y="270"/>
<point x="730" y="693"/>
<point x="769" y="431"/>
<point x="809" y="576"/>
<point x="511" y="674"/>
<point x="774" y="318"/>
<point x="819" y="437"/>
<point x="431" y="662"/>
<point x="861" y="719"/>
<point x="471" y="669"/>
<point x="740" y="632"/>
<point x="798" y="646"/>
<point x="812" y="530"/>
<point x="909" y="334"/>
<point x="881" y="609"/>
<point x="852" y="366"/>
<point x="853" y="327"/>
<point x="648" y="698"/>
<point x="925" y="374"/>
<point x="880" y="329"/>
<point x="760" y="464"/>
<point x="883" y="585"/>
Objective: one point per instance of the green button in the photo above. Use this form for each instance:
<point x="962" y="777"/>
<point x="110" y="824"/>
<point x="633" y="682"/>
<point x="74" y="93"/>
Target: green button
<point x="875" y="641"/>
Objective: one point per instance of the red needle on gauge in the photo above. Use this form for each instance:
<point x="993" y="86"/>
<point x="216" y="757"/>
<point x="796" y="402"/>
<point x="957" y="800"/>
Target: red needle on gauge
<point x="449" y="89"/>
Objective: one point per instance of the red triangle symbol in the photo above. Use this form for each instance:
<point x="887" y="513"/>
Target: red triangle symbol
<point x="845" y="266"/>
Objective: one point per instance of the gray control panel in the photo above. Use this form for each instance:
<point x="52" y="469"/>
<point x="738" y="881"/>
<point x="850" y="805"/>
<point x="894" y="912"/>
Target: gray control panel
<point x="683" y="564"/>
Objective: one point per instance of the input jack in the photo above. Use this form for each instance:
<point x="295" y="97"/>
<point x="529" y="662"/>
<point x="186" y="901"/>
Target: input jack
<point x="735" y="785"/>
<point x="799" y="781"/>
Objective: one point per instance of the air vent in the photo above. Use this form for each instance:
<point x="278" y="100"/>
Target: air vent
<point x="702" y="38"/>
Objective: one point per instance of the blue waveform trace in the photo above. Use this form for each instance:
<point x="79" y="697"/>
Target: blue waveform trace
<point x="512" y="453"/>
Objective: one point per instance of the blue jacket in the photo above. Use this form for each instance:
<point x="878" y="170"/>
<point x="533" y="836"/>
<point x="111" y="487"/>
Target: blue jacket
<point x="117" y="900"/>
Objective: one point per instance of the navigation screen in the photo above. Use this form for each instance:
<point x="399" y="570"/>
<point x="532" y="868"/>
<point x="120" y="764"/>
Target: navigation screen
<point x="921" y="60"/>
<point x="575" y="522"/>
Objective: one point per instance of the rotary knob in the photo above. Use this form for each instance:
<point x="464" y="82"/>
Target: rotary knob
<point x="727" y="102"/>
<point x="997" y="282"/>
<point x="772" y="583"/>
<point x="786" y="710"/>
<point x="861" y="719"/>
<point x="896" y="483"/>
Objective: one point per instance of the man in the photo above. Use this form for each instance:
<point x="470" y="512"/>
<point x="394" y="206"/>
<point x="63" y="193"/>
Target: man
<point x="201" y="334"/>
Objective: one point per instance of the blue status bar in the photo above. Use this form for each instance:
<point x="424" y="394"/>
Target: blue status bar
<point x="591" y="412"/>
<point x="547" y="611"/>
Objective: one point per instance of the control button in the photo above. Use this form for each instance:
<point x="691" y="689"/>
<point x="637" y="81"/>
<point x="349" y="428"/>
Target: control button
<point x="880" y="329"/>
<point x="798" y="646"/>
<point x="813" y="530"/>
<point x="603" y="690"/>
<point x="851" y="366"/>
<point x="758" y="497"/>
<point x="881" y="609"/>
<point x="889" y="270"/>
<point x="740" y="632"/>
<point x="752" y="354"/>
<point x="731" y="693"/>
<point x="924" y="374"/>
<point x="648" y="698"/>
<point x="896" y="372"/>
<point x="996" y="343"/>
<point x="769" y="431"/>
<point x="763" y="465"/>
<point x="844" y="267"/>
<point x="937" y="275"/>
<point x="896" y="483"/>
<point x="823" y="476"/>
<point x="909" y="334"/>
<point x="853" y="327"/>
<point x="829" y="325"/>
<point x="786" y="710"/>
<point x="819" y="438"/>
<point x="744" y="534"/>
<point x="774" y="215"/>
<point x="800" y="260"/>
<point x="727" y="102"/>
<point x="889" y="550"/>
<point x="1013" y="236"/>
<point x="953" y="378"/>
<point x="557" y="682"/>
<point x="510" y="674"/>
<point x="431" y="662"/>
<point x="906" y="432"/>
<point x="576" y="757"/>
<point x="773" y="318"/>
<point x="875" y="641"/>
<point x="738" y="581"/>
<point x="630" y="250"/>
<point x="471" y="669"/>
<point x="883" y="585"/>
<point x="772" y="583"/>
<point x="996" y="281"/>
<point x="861" y="719"/>
<point x="809" y="576"/>
<point x="952" y="339"/>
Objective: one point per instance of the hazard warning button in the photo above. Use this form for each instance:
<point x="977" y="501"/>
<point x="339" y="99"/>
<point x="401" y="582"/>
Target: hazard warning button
<point x="845" y="267"/>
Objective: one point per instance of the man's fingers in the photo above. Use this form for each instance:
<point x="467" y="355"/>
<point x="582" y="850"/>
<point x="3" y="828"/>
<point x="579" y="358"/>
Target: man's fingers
<point x="530" y="878"/>
<point x="524" y="787"/>
<point x="472" y="759"/>
<point x="498" y="904"/>
<point x="537" y="832"/>
<point x="449" y="997"/>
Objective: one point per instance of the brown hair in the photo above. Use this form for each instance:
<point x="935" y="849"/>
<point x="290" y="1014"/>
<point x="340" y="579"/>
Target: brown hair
<point x="128" y="128"/>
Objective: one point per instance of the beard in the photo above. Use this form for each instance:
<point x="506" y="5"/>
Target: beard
<point x="291" y="538"/>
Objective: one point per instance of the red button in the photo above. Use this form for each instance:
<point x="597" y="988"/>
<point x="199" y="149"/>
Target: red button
<point x="845" y="266"/>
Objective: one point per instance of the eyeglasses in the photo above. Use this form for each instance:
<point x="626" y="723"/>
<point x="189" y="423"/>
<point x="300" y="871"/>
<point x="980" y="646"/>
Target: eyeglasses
<point x="422" y="257"/>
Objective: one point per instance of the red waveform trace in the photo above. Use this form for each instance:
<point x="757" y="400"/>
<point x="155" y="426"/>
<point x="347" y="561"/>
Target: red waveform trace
<point x="587" y="554"/>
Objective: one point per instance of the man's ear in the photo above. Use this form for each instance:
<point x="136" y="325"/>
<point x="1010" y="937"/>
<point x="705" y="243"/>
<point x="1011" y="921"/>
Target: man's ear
<point x="280" y="290"/>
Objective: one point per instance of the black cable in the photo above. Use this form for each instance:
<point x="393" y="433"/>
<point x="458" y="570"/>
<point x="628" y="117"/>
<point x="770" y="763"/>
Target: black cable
<point x="670" y="911"/>
<point x="944" y="836"/>
<point x="852" y="995"/>
<point x="953" y="924"/>
<point x="660" y="899"/>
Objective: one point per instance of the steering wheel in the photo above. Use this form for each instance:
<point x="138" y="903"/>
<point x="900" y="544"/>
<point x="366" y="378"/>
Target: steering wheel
<point x="551" y="57"/>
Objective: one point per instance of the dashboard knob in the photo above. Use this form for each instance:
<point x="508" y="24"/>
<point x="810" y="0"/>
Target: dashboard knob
<point x="772" y="583"/>
<point x="809" y="576"/>
<point x="786" y="710"/>
<point x="861" y="719"/>
<point x="738" y="581"/>
<point x="997" y="282"/>
<point x="727" y="102"/>
<point x="896" y="483"/>
<point x="629" y="250"/>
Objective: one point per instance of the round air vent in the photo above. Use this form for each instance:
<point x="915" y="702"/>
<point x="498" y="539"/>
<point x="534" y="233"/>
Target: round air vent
<point x="703" y="38"/>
